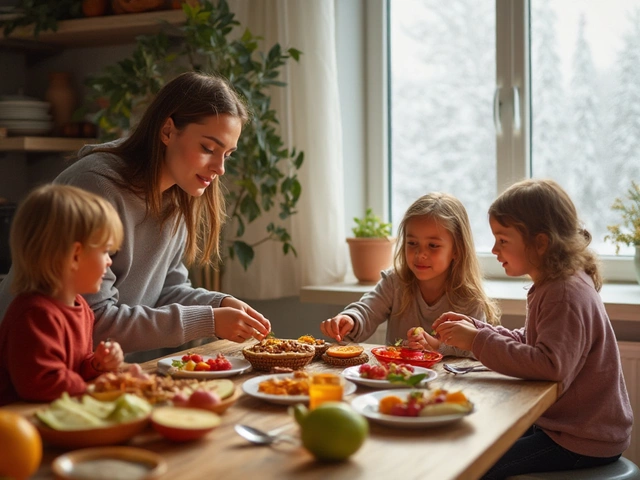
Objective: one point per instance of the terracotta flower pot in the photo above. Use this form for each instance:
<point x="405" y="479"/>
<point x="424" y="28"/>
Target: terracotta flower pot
<point x="369" y="256"/>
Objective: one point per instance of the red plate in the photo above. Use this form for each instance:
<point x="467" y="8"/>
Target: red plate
<point x="412" y="357"/>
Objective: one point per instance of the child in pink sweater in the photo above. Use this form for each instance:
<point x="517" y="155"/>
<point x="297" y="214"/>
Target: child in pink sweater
<point x="567" y="337"/>
<point x="60" y="239"/>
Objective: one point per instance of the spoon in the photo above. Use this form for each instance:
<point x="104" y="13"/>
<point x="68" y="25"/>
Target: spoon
<point x="260" y="437"/>
<point x="462" y="370"/>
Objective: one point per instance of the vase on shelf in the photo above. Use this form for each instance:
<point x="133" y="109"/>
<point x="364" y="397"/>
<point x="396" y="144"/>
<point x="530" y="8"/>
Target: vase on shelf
<point x="636" y="262"/>
<point x="62" y="97"/>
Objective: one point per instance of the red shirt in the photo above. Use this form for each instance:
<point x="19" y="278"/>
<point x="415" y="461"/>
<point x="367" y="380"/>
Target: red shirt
<point x="46" y="349"/>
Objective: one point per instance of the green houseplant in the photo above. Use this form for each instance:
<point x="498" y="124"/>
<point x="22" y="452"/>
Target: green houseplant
<point x="262" y="174"/>
<point x="627" y="232"/>
<point x="43" y="15"/>
<point x="371" y="247"/>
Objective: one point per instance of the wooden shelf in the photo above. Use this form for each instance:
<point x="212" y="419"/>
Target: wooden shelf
<point x="96" y="31"/>
<point x="43" y="144"/>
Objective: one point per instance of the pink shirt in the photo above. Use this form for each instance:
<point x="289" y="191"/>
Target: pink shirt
<point x="567" y="338"/>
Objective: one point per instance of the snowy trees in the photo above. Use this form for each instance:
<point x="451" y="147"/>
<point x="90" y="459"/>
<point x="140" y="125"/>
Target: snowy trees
<point x="585" y="116"/>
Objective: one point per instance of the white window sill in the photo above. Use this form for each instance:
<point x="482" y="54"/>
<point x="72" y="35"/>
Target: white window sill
<point x="622" y="300"/>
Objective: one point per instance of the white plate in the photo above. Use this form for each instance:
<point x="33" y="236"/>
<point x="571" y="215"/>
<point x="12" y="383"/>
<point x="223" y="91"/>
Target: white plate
<point x="238" y="365"/>
<point x="367" y="405"/>
<point x="23" y="114"/>
<point x="353" y="374"/>
<point x="26" y="127"/>
<point x="250" y="387"/>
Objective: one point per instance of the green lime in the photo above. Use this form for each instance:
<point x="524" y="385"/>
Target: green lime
<point x="333" y="431"/>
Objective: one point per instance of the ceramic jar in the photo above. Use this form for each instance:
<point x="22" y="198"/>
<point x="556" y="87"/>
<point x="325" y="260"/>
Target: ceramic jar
<point x="62" y="97"/>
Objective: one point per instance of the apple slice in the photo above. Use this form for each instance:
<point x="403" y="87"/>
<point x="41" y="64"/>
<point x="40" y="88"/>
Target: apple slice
<point x="183" y="424"/>
<point x="223" y="387"/>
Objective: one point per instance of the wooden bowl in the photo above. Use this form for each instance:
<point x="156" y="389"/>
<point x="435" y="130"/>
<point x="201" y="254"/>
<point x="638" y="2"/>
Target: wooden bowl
<point x="91" y="437"/>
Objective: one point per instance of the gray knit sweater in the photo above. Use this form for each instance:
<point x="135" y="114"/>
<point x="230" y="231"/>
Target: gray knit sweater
<point x="383" y="303"/>
<point x="146" y="300"/>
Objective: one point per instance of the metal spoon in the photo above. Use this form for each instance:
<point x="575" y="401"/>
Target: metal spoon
<point x="462" y="370"/>
<point x="259" y="437"/>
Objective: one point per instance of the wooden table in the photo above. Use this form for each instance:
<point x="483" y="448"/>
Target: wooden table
<point x="505" y="408"/>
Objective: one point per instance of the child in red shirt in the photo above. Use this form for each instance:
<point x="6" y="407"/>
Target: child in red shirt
<point x="60" y="241"/>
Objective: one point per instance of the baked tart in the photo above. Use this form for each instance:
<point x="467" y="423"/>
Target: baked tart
<point x="319" y="344"/>
<point x="345" y="355"/>
<point x="276" y="352"/>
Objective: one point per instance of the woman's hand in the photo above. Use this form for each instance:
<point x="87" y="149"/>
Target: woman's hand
<point x="237" y="321"/>
<point x="108" y="356"/>
<point x="421" y="340"/>
<point x="337" y="327"/>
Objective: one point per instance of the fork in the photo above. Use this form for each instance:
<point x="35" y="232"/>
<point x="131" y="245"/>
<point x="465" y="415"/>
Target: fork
<point x="462" y="370"/>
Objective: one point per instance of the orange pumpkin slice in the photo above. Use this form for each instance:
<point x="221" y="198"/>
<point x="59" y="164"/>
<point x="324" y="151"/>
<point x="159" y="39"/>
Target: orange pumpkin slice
<point x="344" y="351"/>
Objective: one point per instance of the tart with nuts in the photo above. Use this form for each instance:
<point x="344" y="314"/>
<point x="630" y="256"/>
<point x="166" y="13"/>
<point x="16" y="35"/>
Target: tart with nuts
<point x="276" y="352"/>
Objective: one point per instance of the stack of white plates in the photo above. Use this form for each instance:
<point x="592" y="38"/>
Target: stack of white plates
<point x="24" y="116"/>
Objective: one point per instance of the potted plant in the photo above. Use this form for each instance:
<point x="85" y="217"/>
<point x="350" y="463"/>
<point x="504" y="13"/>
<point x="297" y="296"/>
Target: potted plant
<point x="628" y="232"/>
<point x="371" y="247"/>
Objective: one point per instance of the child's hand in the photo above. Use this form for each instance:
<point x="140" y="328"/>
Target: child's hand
<point x="108" y="356"/>
<point x="448" y="317"/>
<point x="337" y="327"/>
<point x="418" y="339"/>
<point x="458" y="334"/>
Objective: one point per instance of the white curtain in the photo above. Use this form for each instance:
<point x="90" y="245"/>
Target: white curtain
<point x="309" y="113"/>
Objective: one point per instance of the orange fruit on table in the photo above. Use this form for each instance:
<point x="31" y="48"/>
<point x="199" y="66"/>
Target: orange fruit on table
<point x="21" y="446"/>
<point x="387" y="403"/>
<point x="344" y="351"/>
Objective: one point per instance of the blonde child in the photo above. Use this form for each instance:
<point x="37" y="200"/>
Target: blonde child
<point x="435" y="270"/>
<point x="60" y="241"/>
<point x="567" y="337"/>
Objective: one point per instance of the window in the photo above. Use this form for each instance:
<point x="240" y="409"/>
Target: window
<point x="483" y="93"/>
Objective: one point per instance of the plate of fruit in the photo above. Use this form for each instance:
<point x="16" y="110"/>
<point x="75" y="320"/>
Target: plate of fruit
<point x="193" y="365"/>
<point x="285" y="388"/>
<point x="411" y="408"/>
<point x="399" y="354"/>
<point x="390" y="375"/>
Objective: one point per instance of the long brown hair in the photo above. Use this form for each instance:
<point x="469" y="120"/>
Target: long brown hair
<point x="540" y="206"/>
<point x="187" y="99"/>
<point x="463" y="287"/>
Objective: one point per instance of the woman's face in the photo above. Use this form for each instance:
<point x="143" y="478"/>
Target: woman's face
<point x="195" y="156"/>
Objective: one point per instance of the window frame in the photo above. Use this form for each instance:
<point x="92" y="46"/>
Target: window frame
<point x="513" y="160"/>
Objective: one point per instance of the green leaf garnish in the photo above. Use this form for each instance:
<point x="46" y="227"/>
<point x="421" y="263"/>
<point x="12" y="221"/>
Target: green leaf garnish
<point x="411" y="381"/>
<point x="179" y="364"/>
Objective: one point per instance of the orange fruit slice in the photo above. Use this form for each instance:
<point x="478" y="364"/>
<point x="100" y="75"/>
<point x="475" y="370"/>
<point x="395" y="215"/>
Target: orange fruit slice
<point x="344" y="351"/>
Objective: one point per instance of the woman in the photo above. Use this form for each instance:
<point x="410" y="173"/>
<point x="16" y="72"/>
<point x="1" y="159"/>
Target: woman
<point x="164" y="182"/>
